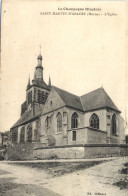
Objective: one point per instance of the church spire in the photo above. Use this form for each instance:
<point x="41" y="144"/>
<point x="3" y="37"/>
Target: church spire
<point x="49" y="83"/>
<point x="39" y="69"/>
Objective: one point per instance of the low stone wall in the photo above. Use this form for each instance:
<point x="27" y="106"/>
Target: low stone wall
<point x="31" y="151"/>
<point x="81" y="151"/>
<point x="70" y="152"/>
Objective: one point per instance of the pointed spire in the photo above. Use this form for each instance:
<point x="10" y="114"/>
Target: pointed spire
<point x="49" y="83"/>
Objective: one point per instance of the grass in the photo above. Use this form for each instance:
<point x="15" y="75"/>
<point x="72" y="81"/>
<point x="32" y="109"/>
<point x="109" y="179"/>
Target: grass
<point x="57" y="168"/>
<point x="123" y="183"/>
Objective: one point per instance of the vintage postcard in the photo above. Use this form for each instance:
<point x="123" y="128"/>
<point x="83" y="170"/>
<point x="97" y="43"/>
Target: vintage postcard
<point x="64" y="98"/>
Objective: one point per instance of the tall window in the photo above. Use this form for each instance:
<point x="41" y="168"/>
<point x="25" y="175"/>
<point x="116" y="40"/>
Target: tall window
<point x="114" y="125"/>
<point x="42" y="96"/>
<point x="22" y="134"/>
<point x="74" y="120"/>
<point x="94" y="121"/>
<point x="29" y="133"/>
<point x="59" y="122"/>
<point x="47" y="122"/>
<point x="30" y="97"/>
<point x="74" y="135"/>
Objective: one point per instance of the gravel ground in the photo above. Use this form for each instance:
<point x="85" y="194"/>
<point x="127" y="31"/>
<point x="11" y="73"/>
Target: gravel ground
<point x="107" y="178"/>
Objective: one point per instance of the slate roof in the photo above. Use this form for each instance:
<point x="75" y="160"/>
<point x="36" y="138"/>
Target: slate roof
<point x="97" y="99"/>
<point x="39" y="83"/>
<point x="94" y="100"/>
<point x="69" y="99"/>
<point x="27" y="116"/>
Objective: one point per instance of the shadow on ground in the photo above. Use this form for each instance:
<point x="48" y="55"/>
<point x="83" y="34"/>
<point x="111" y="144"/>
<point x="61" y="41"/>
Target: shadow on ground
<point x="9" y="188"/>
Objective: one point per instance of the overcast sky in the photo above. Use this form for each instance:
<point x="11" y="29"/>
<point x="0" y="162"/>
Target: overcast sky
<point x="80" y="53"/>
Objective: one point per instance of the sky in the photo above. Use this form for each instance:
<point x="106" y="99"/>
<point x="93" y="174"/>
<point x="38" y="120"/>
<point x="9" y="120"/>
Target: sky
<point x="80" y="53"/>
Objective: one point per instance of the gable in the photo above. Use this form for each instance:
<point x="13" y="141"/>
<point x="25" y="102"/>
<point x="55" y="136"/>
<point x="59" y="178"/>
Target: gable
<point x="54" y="101"/>
<point x="97" y="99"/>
<point x="70" y="99"/>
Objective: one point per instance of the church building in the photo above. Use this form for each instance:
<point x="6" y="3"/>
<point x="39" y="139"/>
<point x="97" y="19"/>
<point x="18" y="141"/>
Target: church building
<point x="51" y="116"/>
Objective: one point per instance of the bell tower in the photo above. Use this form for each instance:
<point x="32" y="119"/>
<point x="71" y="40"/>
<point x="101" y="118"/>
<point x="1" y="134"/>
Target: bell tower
<point x="37" y="91"/>
<point x="39" y="69"/>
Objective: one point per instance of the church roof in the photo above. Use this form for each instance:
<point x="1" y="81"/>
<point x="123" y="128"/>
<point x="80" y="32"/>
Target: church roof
<point x="27" y="116"/>
<point x="69" y="99"/>
<point x="96" y="99"/>
<point x="39" y="83"/>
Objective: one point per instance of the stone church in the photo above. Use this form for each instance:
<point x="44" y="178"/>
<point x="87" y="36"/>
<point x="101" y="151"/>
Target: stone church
<point x="54" y="117"/>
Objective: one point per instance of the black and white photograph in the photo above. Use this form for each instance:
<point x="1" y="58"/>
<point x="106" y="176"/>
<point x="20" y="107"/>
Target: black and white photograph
<point x="64" y="98"/>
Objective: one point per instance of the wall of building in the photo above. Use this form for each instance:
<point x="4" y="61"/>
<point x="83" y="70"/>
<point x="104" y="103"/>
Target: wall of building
<point x="120" y="136"/>
<point x="87" y="135"/>
<point x="34" y="127"/>
<point x="51" y="110"/>
<point x="102" y="118"/>
<point x="53" y="102"/>
<point x="81" y="136"/>
<point x="81" y="151"/>
<point x="50" y="133"/>
<point x="96" y="136"/>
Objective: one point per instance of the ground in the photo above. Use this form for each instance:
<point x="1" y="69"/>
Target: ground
<point x="64" y="177"/>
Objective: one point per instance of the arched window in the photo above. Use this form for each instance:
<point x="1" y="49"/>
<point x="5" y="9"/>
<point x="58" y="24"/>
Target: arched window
<point x="74" y="120"/>
<point x="22" y="134"/>
<point x="47" y="122"/>
<point x="94" y="121"/>
<point x="59" y="122"/>
<point x="29" y="133"/>
<point x="114" y="125"/>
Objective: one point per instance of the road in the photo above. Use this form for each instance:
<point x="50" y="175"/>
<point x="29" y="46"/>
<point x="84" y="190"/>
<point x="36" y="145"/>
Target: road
<point x="18" y="180"/>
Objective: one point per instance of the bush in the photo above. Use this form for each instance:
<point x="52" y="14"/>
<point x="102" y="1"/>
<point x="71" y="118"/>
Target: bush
<point x="1" y="157"/>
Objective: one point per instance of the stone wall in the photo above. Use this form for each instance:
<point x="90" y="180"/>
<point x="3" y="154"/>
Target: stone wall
<point x="81" y="151"/>
<point x="59" y="152"/>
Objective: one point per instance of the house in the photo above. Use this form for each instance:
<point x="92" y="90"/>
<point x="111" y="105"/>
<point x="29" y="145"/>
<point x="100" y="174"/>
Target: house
<point x="4" y="138"/>
<point x="54" y="117"/>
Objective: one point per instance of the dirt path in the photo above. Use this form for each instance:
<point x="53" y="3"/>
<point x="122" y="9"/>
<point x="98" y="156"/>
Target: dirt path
<point x="96" y="180"/>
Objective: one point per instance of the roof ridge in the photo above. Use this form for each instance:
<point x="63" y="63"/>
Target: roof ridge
<point x="92" y="91"/>
<point x="66" y="91"/>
